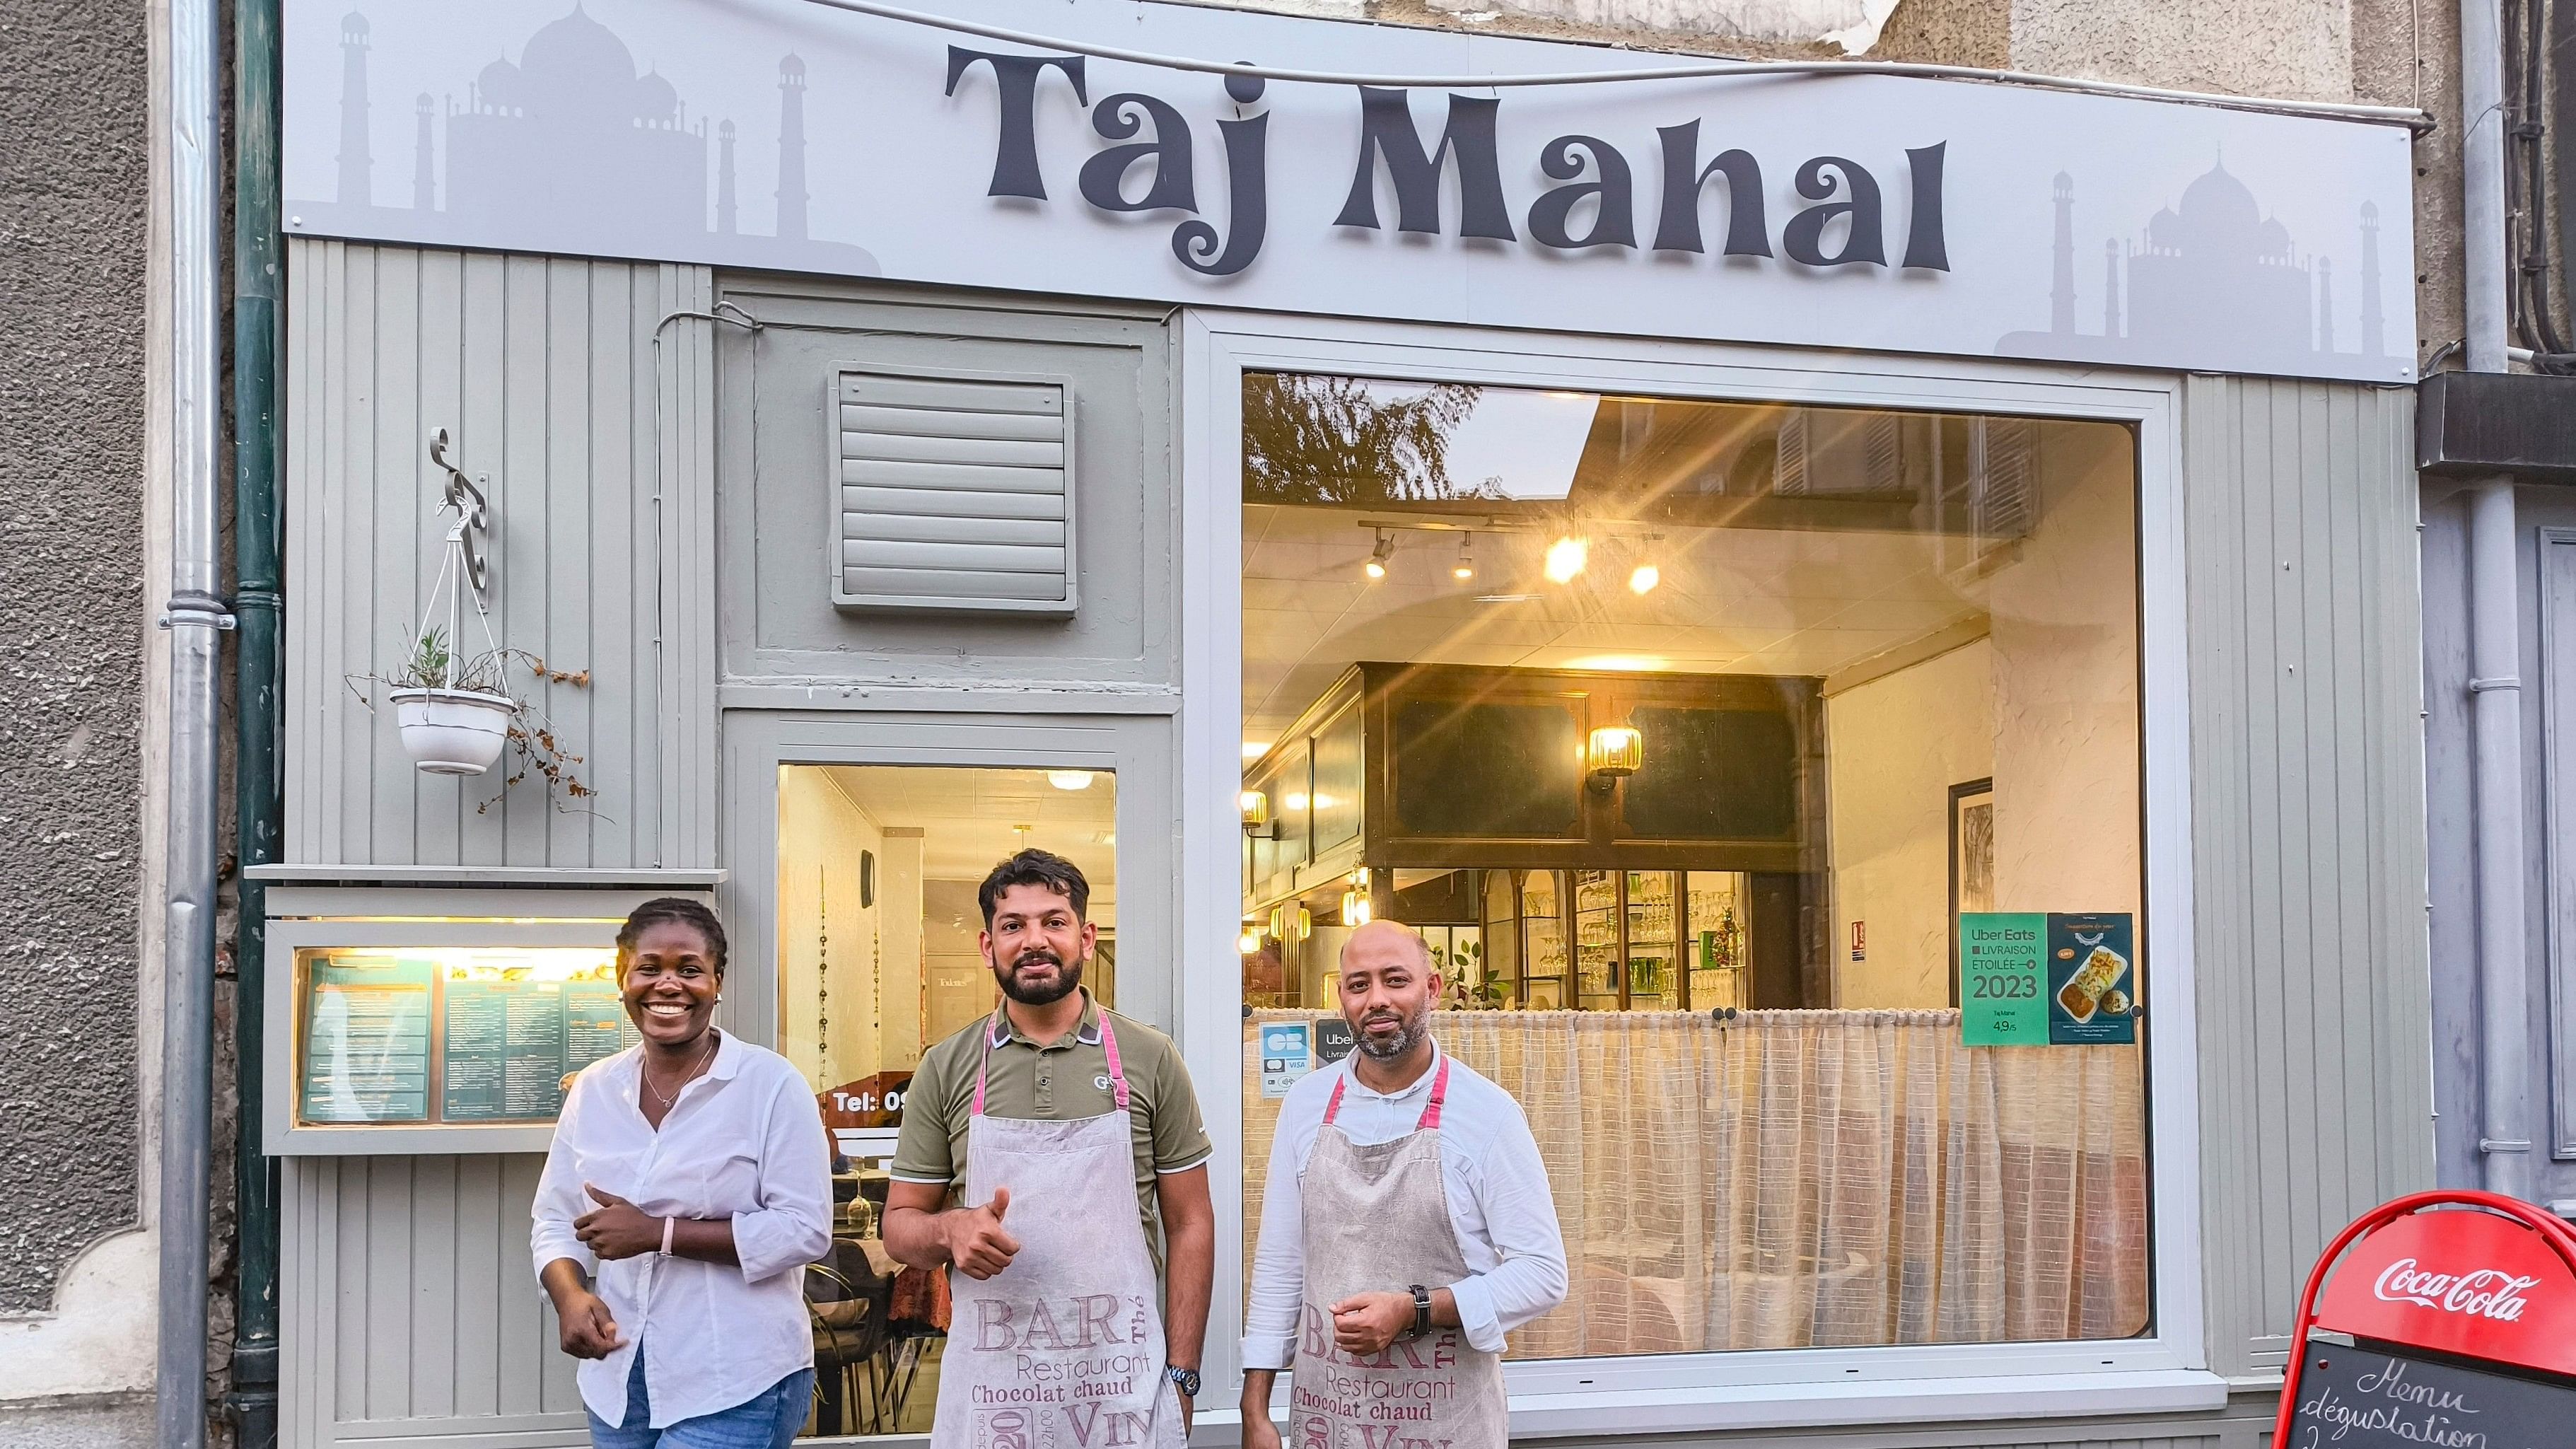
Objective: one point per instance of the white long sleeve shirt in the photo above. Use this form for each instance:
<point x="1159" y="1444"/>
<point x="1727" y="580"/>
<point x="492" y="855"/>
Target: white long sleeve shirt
<point x="1498" y="1204"/>
<point x="744" y="1141"/>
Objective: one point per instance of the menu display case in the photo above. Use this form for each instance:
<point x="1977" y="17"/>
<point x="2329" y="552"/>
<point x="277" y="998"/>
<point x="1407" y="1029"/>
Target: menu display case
<point x="435" y="1020"/>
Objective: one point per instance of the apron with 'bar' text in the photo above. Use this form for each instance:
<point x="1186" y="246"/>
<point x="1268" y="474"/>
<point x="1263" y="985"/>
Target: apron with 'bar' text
<point x="1377" y="1220"/>
<point x="1063" y="1349"/>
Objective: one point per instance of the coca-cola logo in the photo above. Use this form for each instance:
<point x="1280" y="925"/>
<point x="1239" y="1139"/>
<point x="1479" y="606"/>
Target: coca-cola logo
<point x="2483" y="1293"/>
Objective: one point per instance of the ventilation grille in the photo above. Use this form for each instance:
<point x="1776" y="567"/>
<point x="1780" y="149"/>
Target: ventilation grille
<point x="955" y="492"/>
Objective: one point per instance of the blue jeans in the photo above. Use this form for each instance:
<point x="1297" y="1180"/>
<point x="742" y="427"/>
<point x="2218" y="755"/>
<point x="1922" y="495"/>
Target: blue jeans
<point x="767" y="1420"/>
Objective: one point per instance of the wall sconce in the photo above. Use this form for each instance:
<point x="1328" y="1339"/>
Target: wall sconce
<point x="1256" y="812"/>
<point x="1355" y="908"/>
<point x="1249" y="943"/>
<point x="1611" y="752"/>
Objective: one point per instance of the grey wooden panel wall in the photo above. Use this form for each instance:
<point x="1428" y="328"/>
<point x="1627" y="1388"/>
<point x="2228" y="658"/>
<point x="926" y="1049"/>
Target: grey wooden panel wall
<point x="411" y="1310"/>
<point x="600" y="447"/>
<point x="2308" y="832"/>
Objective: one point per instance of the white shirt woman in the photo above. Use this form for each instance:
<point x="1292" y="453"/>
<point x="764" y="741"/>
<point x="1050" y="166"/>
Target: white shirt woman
<point x="687" y="1188"/>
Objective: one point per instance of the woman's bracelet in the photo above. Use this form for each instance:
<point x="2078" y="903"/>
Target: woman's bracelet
<point x="669" y="1226"/>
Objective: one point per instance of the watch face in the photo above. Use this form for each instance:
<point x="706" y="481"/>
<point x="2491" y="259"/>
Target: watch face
<point x="1186" y="1380"/>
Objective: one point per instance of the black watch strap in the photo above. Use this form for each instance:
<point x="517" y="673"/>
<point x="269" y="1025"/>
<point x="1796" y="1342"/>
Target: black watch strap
<point x="1421" y="1311"/>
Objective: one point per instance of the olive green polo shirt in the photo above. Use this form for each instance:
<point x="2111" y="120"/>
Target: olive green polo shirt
<point x="1061" y="1080"/>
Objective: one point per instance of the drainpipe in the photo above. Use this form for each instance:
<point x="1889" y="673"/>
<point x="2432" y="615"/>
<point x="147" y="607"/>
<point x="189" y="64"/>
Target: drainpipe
<point x="193" y="617"/>
<point x="258" y="275"/>
<point x="2495" y="638"/>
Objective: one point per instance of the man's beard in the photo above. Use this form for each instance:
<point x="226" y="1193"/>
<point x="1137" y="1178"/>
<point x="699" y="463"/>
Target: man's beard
<point x="1067" y="977"/>
<point x="1408" y="1034"/>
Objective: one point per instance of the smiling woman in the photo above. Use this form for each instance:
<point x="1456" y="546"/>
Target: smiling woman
<point x="686" y="1191"/>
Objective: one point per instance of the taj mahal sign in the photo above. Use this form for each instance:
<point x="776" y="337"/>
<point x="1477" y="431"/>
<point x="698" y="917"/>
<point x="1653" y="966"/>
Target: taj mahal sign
<point x="1852" y="211"/>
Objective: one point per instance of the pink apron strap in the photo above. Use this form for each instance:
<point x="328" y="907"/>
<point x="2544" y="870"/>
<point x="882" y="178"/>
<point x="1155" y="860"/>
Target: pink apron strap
<point x="1430" y="1109"/>
<point x="1439" y="1094"/>
<point x="1117" y="1073"/>
<point x="1108" y="1043"/>
<point x="981" y="1067"/>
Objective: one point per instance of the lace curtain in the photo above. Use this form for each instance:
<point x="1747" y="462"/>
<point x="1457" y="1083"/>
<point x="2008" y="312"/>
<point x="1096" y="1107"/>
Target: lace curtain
<point x="1811" y="1178"/>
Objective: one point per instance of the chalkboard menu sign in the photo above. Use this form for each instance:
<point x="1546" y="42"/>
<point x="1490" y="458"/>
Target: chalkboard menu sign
<point x="2445" y="1319"/>
<point x="2355" y="1396"/>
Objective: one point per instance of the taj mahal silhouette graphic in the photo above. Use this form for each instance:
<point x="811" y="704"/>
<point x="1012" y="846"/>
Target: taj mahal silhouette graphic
<point x="2212" y="254"/>
<point x="572" y="149"/>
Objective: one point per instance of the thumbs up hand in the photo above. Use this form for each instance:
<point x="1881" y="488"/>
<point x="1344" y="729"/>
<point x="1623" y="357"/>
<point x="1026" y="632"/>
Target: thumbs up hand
<point x="977" y="1243"/>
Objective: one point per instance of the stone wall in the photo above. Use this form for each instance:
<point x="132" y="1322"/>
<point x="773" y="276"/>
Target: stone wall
<point x="73" y="197"/>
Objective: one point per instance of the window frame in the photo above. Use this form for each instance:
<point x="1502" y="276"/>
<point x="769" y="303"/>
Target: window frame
<point x="2165" y="1370"/>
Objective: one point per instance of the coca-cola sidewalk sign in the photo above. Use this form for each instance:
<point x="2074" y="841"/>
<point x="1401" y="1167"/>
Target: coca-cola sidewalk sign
<point x="2445" y="1318"/>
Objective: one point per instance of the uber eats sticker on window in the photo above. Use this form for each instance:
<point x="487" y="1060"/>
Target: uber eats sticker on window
<point x="2027" y="979"/>
<point x="2003" y="978"/>
<point x="1285" y="1056"/>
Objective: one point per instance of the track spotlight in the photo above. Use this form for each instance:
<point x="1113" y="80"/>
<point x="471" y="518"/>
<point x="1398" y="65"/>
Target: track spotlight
<point x="1566" y="557"/>
<point x="1375" y="568"/>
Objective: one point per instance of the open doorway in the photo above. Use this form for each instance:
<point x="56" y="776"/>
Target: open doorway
<point x="878" y="960"/>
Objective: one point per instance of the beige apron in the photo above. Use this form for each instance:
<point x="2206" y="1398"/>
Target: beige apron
<point x="1377" y="1219"/>
<point x="1064" y="1348"/>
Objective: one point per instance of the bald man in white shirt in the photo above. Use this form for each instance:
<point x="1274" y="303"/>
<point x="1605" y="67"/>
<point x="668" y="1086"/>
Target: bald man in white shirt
<point x="1407" y="1226"/>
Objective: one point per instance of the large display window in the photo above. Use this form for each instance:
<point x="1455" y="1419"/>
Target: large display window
<point x="1697" y="736"/>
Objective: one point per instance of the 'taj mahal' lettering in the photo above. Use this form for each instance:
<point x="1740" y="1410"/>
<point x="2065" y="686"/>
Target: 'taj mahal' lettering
<point x="1152" y="133"/>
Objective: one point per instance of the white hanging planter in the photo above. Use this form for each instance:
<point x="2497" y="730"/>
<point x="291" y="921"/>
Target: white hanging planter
<point x="453" y="731"/>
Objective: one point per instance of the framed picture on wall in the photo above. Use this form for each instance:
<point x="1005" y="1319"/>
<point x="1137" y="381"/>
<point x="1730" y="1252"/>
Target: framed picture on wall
<point x="1972" y="860"/>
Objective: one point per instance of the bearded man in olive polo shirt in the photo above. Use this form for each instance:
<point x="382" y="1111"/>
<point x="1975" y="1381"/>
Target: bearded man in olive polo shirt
<point x="1020" y="1137"/>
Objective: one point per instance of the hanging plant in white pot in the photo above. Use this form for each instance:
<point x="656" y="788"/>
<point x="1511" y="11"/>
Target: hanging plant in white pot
<point x="453" y="722"/>
<point x="455" y="712"/>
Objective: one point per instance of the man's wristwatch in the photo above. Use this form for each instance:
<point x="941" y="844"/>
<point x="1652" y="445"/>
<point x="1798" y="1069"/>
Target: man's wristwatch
<point x="1421" y="1312"/>
<point x="1186" y="1380"/>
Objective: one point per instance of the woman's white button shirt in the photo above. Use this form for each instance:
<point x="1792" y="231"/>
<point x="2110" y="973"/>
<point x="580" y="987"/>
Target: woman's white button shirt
<point x="744" y="1141"/>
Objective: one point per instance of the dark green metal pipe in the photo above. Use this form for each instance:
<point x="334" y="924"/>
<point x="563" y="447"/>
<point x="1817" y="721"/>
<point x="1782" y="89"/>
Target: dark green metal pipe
<point x="258" y="282"/>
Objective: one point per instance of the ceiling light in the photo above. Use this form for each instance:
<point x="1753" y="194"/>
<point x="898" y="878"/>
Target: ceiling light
<point x="1643" y="578"/>
<point x="1376" y="566"/>
<point x="1466" y="567"/>
<point x="1565" y="558"/>
<point x="1069" y="779"/>
<point x="1623" y="663"/>
<point x="1255" y="749"/>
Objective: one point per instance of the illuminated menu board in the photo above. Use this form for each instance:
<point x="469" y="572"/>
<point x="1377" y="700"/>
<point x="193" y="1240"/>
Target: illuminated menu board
<point x="452" y="1034"/>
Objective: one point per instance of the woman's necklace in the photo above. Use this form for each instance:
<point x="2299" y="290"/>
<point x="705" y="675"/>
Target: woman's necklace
<point x="666" y="1099"/>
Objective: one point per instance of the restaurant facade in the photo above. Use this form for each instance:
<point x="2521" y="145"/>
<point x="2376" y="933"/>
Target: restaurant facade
<point x="1787" y="583"/>
<point x="1872" y="620"/>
